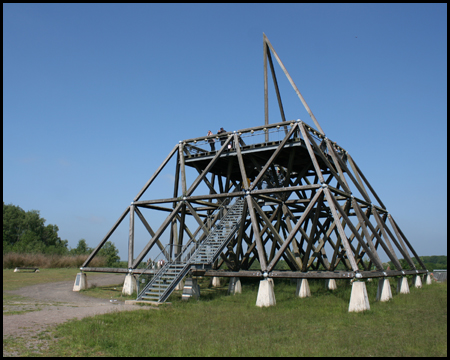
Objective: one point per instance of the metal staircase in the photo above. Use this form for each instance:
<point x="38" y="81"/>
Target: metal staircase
<point x="198" y="254"/>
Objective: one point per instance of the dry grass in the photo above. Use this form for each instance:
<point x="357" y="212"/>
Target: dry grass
<point x="44" y="261"/>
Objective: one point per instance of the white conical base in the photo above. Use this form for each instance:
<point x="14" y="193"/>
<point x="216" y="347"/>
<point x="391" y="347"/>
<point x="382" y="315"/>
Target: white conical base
<point x="215" y="281"/>
<point x="417" y="281"/>
<point x="180" y="286"/>
<point x="428" y="281"/>
<point x="234" y="287"/>
<point x="129" y="285"/>
<point x="302" y="290"/>
<point x="190" y="289"/>
<point x="80" y="282"/>
<point x="266" y="294"/>
<point x="402" y="286"/>
<point x="359" y="300"/>
<point x="330" y="284"/>
<point x="384" y="292"/>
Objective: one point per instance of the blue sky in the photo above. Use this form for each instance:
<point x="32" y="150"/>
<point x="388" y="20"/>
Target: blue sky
<point x="95" y="96"/>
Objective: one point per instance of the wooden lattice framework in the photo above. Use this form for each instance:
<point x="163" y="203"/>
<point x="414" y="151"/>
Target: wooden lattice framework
<point x="306" y="202"/>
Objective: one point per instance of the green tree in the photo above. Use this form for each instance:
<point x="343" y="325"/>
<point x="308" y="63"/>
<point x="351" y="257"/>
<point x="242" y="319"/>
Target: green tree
<point x="81" y="249"/>
<point x="25" y="232"/>
<point x="111" y="253"/>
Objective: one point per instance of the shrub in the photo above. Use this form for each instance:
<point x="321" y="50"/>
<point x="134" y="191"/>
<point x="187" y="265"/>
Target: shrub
<point x="46" y="261"/>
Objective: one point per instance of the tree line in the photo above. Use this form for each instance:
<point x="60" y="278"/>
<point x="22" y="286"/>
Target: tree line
<point x="25" y="232"/>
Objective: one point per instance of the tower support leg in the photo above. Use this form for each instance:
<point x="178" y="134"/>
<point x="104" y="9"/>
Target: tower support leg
<point x="80" y="282"/>
<point x="234" y="287"/>
<point x="129" y="285"/>
<point x="266" y="294"/>
<point x="384" y="292"/>
<point x="330" y="284"/>
<point x="215" y="281"/>
<point x="359" y="300"/>
<point x="417" y="281"/>
<point x="303" y="288"/>
<point x="191" y="289"/>
<point x="402" y="285"/>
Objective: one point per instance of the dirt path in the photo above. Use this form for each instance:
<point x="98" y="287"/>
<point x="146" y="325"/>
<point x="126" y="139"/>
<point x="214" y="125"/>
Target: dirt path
<point x="57" y="303"/>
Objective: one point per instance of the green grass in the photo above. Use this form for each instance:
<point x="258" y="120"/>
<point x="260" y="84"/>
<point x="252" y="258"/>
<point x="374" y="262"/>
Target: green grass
<point x="220" y="325"/>
<point x="13" y="281"/>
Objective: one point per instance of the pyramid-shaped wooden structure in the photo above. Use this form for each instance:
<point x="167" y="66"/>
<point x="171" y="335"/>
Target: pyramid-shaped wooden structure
<point x="308" y="210"/>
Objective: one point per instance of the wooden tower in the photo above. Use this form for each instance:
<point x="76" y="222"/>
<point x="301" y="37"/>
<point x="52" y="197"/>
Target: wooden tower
<point x="280" y="200"/>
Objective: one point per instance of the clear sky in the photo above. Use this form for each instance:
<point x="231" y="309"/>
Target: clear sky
<point x="95" y="97"/>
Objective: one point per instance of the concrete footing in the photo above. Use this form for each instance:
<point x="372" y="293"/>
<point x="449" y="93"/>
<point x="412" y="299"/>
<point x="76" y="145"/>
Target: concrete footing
<point x="359" y="300"/>
<point x="215" y="281"/>
<point x="428" y="279"/>
<point x="302" y="290"/>
<point x="180" y="286"/>
<point x="190" y="289"/>
<point x="402" y="285"/>
<point x="330" y="284"/>
<point x="384" y="292"/>
<point x="266" y="294"/>
<point x="417" y="281"/>
<point x="234" y="287"/>
<point x="129" y="285"/>
<point x="80" y="282"/>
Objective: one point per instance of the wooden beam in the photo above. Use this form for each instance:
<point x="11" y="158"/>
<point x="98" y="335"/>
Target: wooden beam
<point x="391" y="256"/>
<point x="355" y="182"/>
<point x="151" y="232"/>
<point x="312" y="233"/>
<point x="341" y="231"/>
<point x="164" y="163"/>
<point x="366" y="181"/>
<point x="311" y="153"/>
<point x="293" y="85"/>
<point x="277" y="90"/>
<point x="401" y="247"/>
<point x="294" y="231"/>
<point x="272" y="157"/>
<point x="259" y="245"/>
<point x="355" y="232"/>
<point x="241" y="162"/>
<point x="157" y="235"/>
<point x="105" y="239"/>
<point x="199" y="221"/>
<point x="394" y="225"/>
<point x="386" y="238"/>
<point x="275" y="233"/>
<point x="366" y="233"/>
<point x="266" y="90"/>
<point x="337" y="176"/>
<point x="208" y="167"/>
<point x="182" y="169"/>
<point x="131" y="238"/>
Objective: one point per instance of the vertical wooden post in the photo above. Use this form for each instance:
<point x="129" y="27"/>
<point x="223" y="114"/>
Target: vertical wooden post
<point x="183" y="170"/>
<point x="266" y="94"/>
<point x="131" y="238"/>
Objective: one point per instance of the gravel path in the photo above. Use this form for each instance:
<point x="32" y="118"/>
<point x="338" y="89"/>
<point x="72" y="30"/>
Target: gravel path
<point x="57" y="303"/>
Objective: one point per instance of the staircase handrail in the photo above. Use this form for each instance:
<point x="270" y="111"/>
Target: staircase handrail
<point x="192" y="244"/>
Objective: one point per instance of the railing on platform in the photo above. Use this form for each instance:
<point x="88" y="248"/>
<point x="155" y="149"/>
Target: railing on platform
<point x="247" y="138"/>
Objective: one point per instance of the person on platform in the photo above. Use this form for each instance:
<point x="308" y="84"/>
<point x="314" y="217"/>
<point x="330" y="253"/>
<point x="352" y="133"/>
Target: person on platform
<point x="211" y="141"/>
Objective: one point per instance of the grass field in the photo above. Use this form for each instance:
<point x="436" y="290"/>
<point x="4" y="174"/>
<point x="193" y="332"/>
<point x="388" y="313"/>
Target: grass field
<point x="221" y="325"/>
